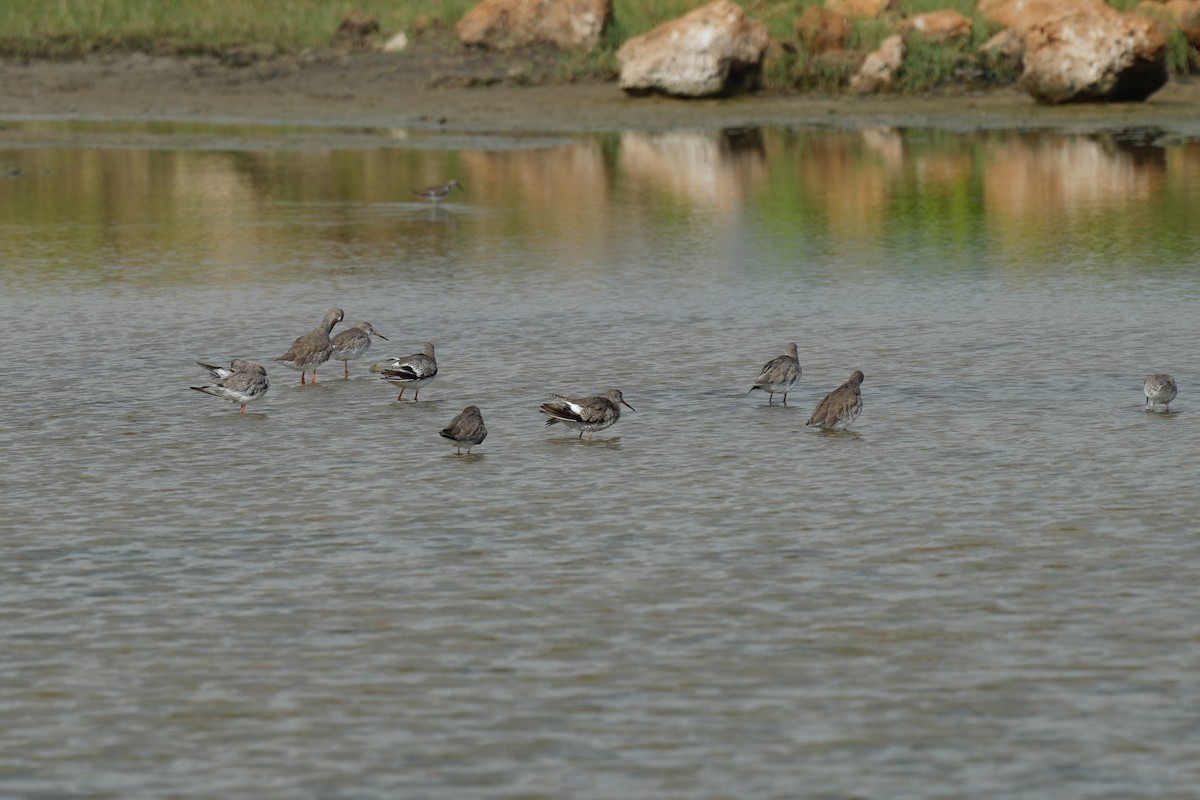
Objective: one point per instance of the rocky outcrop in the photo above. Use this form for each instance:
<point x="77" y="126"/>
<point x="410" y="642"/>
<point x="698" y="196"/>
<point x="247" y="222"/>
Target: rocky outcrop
<point x="510" y="24"/>
<point x="878" y="72"/>
<point x="937" y="27"/>
<point x="863" y="9"/>
<point x="1083" y="50"/>
<point x="356" y="31"/>
<point x="396" y="43"/>
<point x="822" y="30"/>
<point x="1088" y="56"/>
<point x="714" y="50"/>
<point x="1021" y="14"/>
<point x="1005" y="48"/>
<point x="1182" y="14"/>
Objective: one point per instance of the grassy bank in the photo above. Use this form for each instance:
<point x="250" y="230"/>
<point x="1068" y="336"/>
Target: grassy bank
<point x="72" y="28"/>
<point x="67" y="29"/>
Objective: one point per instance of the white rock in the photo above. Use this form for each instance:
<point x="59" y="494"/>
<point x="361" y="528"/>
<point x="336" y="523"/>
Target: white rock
<point x="396" y="44"/>
<point x="880" y="68"/>
<point x="711" y="51"/>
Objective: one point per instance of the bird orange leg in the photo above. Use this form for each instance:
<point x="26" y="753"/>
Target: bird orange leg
<point x="416" y="395"/>
<point x="401" y="397"/>
<point x="301" y="377"/>
<point x="346" y="364"/>
<point x="243" y="411"/>
<point x="314" y="377"/>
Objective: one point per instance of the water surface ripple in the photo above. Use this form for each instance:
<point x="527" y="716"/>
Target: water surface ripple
<point x="985" y="589"/>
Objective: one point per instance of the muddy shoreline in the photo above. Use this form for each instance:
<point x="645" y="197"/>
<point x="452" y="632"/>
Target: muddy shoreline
<point x="460" y="96"/>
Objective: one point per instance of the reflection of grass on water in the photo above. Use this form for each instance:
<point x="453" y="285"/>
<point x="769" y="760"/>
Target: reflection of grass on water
<point x="253" y="216"/>
<point x="73" y="28"/>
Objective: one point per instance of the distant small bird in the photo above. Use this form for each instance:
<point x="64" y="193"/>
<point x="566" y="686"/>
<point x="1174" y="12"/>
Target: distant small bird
<point x="242" y="381"/>
<point x="466" y="430"/>
<point x="438" y="193"/>
<point x="415" y="371"/>
<point x="352" y="343"/>
<point x="1159" y="389"/>
<point x="779" y="375"/>
<point x="313" y="348"/>
<point x="586" y="414"/>
<point x="840" y="407"/>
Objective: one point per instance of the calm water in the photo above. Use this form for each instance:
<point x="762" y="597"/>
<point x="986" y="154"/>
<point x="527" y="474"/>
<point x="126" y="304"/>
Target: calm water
<point x="987" y="589"/>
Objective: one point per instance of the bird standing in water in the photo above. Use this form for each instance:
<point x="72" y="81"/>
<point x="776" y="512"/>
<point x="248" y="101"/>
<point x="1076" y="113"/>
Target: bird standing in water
<point x="466" y="430"/>
<point x="1159" y="388"/>
<point x="586" y="414"/>
<point x="415" y="371"/>
<point x="779" y="375"/>
<point x="313" y="348"/>
<point x="352" y="343"/>
<point x="438" y="193"/>
<point x="840" y="407"/>
<point x="242" y="381"/>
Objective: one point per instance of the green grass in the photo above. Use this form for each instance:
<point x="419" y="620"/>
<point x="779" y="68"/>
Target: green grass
<point x="73" y="28"/>
<point x="69" y="28"/>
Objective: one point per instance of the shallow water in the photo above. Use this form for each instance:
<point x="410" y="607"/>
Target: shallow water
<point x="984" y="589"/>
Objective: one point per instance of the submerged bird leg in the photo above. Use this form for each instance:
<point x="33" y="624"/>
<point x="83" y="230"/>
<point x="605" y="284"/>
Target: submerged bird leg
<point x="243" y="411"/>
<point x="346" y="365"/>
<point x="785" y="398"/>
<point x="770" y="398"/>
<point x="302" y="377"/>
<point x="416" y="394"/>
<point x="314" y="377"/>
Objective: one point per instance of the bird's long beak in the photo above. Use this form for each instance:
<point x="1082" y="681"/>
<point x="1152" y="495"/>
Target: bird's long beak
<point x="380" y="335"/>
<point x="631" y="408"/>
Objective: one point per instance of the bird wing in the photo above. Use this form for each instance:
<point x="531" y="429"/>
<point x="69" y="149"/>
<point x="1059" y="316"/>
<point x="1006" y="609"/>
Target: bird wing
<point x="779" y="370"/>
<point x="243" y="382"/>
<point x="565" y="410"/>
<point x="347" y="338"/>
<point x="411" y="368"/>
<point x="216" y="370"/>
<point x="835" y="406"/>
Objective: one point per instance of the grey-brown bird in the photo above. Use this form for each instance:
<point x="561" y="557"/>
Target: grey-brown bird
<point x="466" y="430"/>
<point x="242" y="381"/>
<point x="352" y="343"/>
<point x="415" y="371"/>
<point x="438" y="193"/>
<point x="840" y="407"/>
<point x="586" y="414"/>
<point x="313" y="348"/>
<point x="779" y="375"/>
<point x="1159" y="388"/>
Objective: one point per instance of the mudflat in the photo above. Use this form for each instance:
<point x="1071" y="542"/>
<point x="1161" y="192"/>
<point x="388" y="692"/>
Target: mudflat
<point x="457" y="92"/>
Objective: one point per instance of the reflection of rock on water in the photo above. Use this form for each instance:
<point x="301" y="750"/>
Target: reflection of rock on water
<point x="712" y="170"/>
<point x="887" y="143"/>
<point x="1025" y="173"/>
<point x="540" y="177"/>
<point x="536" y="183"/>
